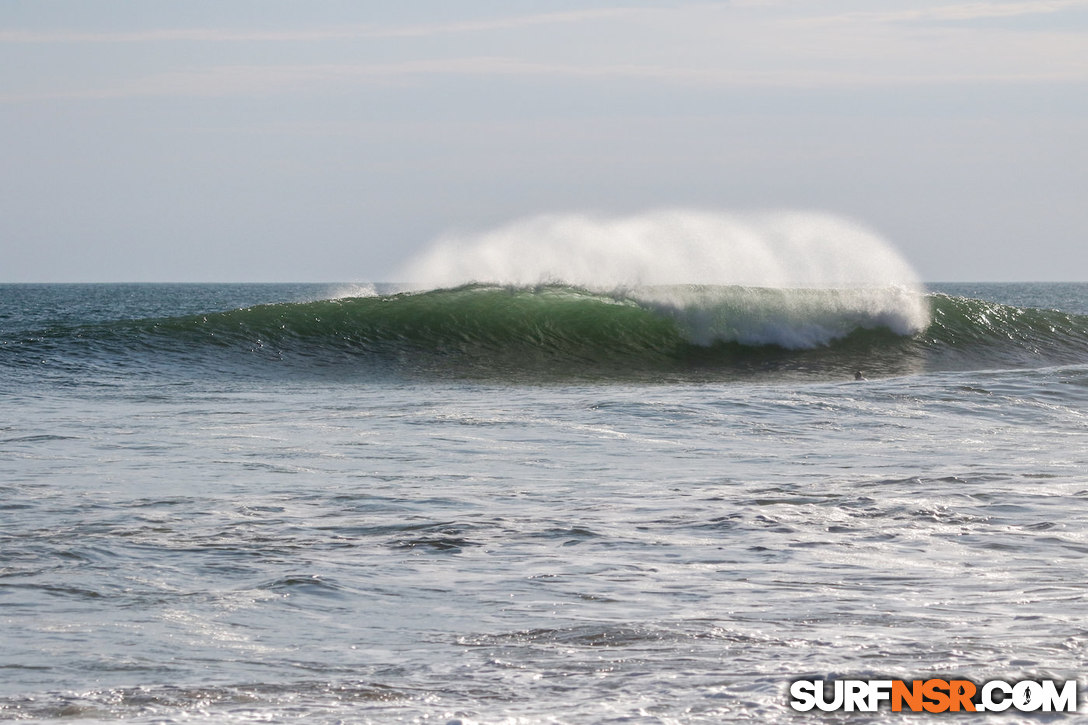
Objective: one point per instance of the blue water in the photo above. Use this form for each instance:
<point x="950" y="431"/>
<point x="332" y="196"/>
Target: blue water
<point x="258" y="526"/>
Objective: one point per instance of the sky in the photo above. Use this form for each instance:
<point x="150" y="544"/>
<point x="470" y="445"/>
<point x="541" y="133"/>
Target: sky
<point x="332" y="140"/>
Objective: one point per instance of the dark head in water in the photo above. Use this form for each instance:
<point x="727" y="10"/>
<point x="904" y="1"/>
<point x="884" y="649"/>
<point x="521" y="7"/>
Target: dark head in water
<point x="858" y="376"/>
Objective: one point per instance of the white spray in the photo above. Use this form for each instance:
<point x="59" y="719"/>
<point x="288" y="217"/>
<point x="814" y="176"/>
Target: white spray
<point x="796" y="279"/>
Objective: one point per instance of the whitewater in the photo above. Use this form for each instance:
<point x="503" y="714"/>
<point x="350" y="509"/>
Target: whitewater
<point x="585" y="469"/>
<point x="690" y="264"/>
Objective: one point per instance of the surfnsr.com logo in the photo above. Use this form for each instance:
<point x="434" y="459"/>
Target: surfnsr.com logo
<point x="934" y="695"/>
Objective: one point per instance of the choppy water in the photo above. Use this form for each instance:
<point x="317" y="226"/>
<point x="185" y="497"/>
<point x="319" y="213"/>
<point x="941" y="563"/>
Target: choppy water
<point x="209" y="513"/>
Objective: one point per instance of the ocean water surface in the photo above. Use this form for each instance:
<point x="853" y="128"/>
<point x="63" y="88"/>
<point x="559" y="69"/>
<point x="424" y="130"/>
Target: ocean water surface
<point x="527" y="503"/>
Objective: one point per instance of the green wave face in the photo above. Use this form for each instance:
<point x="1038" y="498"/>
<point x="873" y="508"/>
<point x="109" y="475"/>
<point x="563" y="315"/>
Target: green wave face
<point x="473" y="320"/>
<point x="558" y="332"/>
<point x="546" y="332"/>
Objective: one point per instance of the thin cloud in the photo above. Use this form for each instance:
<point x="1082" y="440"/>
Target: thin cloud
<point x="962" y="11"/>
<point x="722" y="49"/>
<point x="348" y="32"/>
<point x="227" y="81"/>
<point x="957" y="12"/>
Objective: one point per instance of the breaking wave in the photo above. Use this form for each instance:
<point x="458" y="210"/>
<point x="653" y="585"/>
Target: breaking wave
<point x="665" y="295"/>
<point x="562" y="332"/>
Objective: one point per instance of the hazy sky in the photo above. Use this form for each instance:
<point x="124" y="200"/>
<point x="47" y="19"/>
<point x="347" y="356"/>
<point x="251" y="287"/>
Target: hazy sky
<point x="329" y="140"/>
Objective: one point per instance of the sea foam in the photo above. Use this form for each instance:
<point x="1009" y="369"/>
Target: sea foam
<point x="694" y="265"/>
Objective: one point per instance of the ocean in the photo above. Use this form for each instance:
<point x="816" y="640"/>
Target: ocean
<point x="533" y="503"/>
